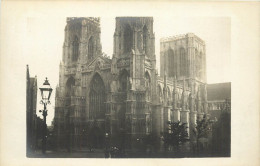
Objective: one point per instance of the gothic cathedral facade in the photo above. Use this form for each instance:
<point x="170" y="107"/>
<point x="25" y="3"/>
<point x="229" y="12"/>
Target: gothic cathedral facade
<point x="125" y="97"/>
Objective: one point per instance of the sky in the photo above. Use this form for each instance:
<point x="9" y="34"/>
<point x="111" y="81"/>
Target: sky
<point x="45" y="36"/>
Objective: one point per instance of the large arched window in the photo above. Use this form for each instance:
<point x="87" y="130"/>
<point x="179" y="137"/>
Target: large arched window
<point x="198" y="63"/>
<point x="90" y="48"/>
<point x="69" y="86"/>
<point x="171" y="61"/>
<point x="69" y="90"/>
<point x="97" y="98"/>
<point x="75" y="48"/>
<point x="145" y="36"/>
<point x="123" y="79"/>
<point x="128" y="38"/>
<point x="148" y="86"/>
<point x="201" y="67"/>
<point x="183" y="62"/>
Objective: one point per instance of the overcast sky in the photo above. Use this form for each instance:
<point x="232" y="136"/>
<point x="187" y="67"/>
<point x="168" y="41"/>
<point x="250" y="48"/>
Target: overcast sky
<point x="45" y="36"/>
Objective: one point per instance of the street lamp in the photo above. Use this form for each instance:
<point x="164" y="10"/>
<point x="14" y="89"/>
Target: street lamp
<point x="45" y="94"/>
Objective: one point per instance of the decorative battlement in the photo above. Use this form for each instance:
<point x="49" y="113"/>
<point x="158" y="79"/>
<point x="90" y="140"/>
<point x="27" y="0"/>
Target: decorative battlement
<point x="179" y="37"/>
<point x="172" y="38"/>
<point x="133" y="18"/>
<point x="95" y="20"/>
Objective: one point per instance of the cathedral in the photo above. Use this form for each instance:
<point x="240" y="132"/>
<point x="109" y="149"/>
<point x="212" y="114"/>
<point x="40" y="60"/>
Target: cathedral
<point x="125" y="97"/>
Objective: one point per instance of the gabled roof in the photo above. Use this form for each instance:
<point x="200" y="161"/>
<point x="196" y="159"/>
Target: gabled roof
<point x="219" y="91"/>
<point x="107" y="60"/>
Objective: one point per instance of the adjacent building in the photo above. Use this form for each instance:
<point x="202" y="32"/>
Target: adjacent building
<point x="31" y="117"/>
<point x="219" y="97"/>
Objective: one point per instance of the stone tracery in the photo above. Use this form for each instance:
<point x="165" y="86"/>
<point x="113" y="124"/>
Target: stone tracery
<point x="97" y="98"/>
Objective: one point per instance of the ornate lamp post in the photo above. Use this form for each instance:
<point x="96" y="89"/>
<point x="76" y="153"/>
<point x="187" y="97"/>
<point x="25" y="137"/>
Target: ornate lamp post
<point x="45" y="94"/>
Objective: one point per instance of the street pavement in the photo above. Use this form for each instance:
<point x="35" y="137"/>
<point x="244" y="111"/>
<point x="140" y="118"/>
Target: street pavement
<point x="84" y="153"/>
<point x="100" y="153"/>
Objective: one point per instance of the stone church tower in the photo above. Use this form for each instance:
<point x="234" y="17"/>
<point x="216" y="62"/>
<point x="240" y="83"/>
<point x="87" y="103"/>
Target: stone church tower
<point x="83" y="82"/>
<point x="133" y="70"/>
<point x="123" y="99"/>
<point x="183" y="57"/>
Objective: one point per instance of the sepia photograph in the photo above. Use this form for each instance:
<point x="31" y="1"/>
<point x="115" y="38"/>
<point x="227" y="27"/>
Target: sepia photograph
<point x="132" y="102"/>
<point x="129" y="83"/>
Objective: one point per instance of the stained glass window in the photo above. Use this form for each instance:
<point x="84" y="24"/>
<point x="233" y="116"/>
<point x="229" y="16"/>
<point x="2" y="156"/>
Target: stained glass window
<point x="97" y="98"/>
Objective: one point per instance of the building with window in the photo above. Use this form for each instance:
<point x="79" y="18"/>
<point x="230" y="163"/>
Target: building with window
<point x="219" y="97"/>
<point x="33" y="123"/>
<point x="124" y="98"/>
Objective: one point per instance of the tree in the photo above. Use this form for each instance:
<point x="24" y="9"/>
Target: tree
<point x="221" y="136"/>
<point x="202" y="131"/>
<point x="176" y="135"/>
